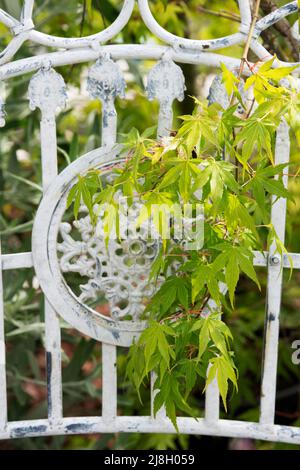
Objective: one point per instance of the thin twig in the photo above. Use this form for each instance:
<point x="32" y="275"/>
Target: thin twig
<point x="222" y="13"/>
<point x="249" y="39"/>
<point x="84" y="8"/>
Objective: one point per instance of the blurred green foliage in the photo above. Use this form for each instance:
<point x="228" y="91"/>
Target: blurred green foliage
<point x="78" y="132"/>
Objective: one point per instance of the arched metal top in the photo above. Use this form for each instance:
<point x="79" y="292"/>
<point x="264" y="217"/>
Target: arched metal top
<point x="103" y="36"/>
<point x="178" y="42"/>
<point x="78" y="50"/>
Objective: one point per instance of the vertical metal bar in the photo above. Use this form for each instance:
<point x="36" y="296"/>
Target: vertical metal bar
<point x="212" y="403"/>
<point x="165" y="83"/>
<point x="105" y="82"/>
<point x="48" y="151"/>
<point x="109" y="381"/>
<point x="161" y="414"/>
<point x="106" y="89"/>
<point x="212" y="394"/>
<point x="53" y="361"/>
<point x="270" y="356"/>
<point x="165" y="120"/>
<point x="52" y="326"/>
<point x="245" y="12"/>
<point x="3" y="390"/>
<point x="47" y="91"/>
<point x="109" y="124"/>
<point x="26" y="12"/>
<point x="153" y="393"/>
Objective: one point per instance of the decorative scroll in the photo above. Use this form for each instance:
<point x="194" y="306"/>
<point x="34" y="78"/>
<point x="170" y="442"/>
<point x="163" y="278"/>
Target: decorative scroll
<point x="117" y="274"/>
<point x="112" y="288"/>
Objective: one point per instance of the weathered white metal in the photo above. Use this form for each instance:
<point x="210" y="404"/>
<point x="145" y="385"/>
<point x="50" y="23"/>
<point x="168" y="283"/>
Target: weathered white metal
<point x="47" y="91"/>
<point x="212" y="403"/>
<point x="52" y="258"/>
<point x="106" y="82"/>
<point x="275" y="16"/>
<point x="275" y="275"/>
<point x="47" y="264"/>
<point x="109" y="382"/>
<point x="17" y="261"/>
<point x="79" y="50"/>
<point x="24" y="260"/>
<point x="116" y="51"/>
<point x="178" y="42"/>
<point x="146" y="424"/>
<point x="119" y="272"/>
<point x="165" y="83"/>
<point x="24" y="30"/>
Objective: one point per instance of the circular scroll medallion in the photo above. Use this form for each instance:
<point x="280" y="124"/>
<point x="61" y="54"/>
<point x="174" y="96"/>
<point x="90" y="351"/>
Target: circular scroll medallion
<point x="99" y="288"/>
